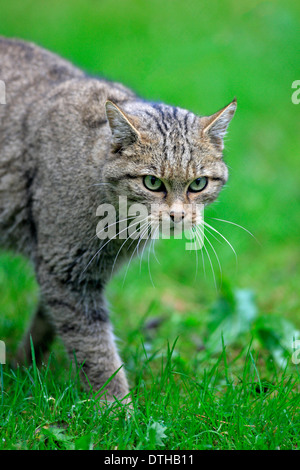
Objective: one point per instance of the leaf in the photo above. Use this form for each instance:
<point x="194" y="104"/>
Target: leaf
<point x="58" y="437"/>
<point x="276" y="334"/>
<point x="84" y="443"/>
<point x="231" y="316"/>
<point x="156" y="434"/>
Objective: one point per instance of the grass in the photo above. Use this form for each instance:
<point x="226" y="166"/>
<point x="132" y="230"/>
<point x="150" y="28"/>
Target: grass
<point x="43" y="410"/>
<point x="191" y="393"/>
<point x="191" y="390"/>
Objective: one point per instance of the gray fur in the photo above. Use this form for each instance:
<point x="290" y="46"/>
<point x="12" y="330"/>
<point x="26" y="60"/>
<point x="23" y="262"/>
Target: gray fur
<point x="69" y="143"/>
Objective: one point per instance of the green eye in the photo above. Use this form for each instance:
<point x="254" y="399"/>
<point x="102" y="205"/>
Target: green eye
<point x="153" y="183"/>
<point x="198" y="184"/>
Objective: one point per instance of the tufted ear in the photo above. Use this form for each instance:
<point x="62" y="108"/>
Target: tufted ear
<point x="215" y="126"/>
<point x="123" y="131"/>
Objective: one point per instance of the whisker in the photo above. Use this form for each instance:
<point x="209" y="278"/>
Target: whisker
<point x="101" y="184"/>
<point x="116" y="257"/>
<point x="203" y="262"/>
<point x="201" y="244"/>
<point x="139" y="229"/>
<point x="142" y="238"/>
<point x="237" y="225"/>
<point x="196" y="254"/>
<point x="120" y="251"/>
<point x="96" y="236"/>
<point x="224" y="238"/>
<point x="149" y="269"/>
<point x="154" y="240"/>
<point x="147" y="224"/>
<point x="211" y="265"/>
<point x="208" y="230"/>
<point x="217" y="258"/>
<point x="110" y="225"/>
<point x="143" y="249"/>
<point x="154" y="230"/>
<point x="102" y="246"/>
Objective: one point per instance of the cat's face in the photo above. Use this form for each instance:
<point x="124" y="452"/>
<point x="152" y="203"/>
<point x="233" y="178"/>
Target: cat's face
<point x="166" y="158"/>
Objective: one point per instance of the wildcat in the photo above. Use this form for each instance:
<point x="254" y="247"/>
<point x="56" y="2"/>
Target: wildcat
<point x="69" y="143"/>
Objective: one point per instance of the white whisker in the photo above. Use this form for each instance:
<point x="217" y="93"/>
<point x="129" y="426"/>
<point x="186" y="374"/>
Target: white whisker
<point x="149" y="269"/>
<point x="116" y="257"/>
<point x="211" y="265"/>
<point x="215" y="253"/>
<point x="202" y="256"/>
<point x="145" y="226"/>
<point x="203" y="262"/>
<point x="143" y="249"/>
<point x="224" y="238"/>
<point x="237" y="225"/>
<point x="194" y="230"/>
<point x="102" y="184"/>
<point x="142" y="238"/>
<point x="120" y="250"/>
<point x="102" y="246"/>
<point x="110" y="225"/>
<point x="153" y="244"/>
<point x="208" y="230"/>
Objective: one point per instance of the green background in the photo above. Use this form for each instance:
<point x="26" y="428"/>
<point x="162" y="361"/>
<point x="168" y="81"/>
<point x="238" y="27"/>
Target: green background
<point x="197" y="55"/>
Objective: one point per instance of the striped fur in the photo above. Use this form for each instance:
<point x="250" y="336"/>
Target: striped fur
<point x="68" y="143"/>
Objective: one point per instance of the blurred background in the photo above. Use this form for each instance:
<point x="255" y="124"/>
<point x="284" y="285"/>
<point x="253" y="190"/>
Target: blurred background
<point x="197" y="55"/>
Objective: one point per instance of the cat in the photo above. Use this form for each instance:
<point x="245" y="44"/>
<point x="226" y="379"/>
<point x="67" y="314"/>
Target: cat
<point x="70" y="142"/>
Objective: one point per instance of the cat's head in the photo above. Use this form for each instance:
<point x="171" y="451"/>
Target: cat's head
<point x="166" y="158"/>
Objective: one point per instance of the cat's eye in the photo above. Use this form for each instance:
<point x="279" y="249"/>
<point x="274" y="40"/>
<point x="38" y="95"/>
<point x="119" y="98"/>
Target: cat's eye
<point x="153" y="183"/>
<point x="198" y="184"/>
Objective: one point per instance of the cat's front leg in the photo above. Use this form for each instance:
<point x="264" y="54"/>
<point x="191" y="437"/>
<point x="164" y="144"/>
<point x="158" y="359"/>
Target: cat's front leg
<point x="84" y="326"/>
<point x="92" y="341"/>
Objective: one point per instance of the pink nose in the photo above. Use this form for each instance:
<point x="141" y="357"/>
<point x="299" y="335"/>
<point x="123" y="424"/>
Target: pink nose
<point x="177" y="216"/>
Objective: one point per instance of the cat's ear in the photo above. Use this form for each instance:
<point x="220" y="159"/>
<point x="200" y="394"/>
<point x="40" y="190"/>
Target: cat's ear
<point x="123" y="131"/>
<point x="215" y="126"/>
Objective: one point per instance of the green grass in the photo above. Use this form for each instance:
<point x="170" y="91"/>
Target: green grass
<point x="201" y="394"/>
<point x="218" y="410"/>
<point x="189" y="390"/>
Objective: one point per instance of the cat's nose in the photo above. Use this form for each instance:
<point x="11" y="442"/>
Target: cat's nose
<point x="177" y="216"/>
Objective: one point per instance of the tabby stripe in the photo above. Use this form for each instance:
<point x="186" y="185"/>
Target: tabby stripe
<point x="186" y="117"/>
<point x="157" y="123"/>
<point x="160" y="110"/>
<point x="216" y="178"/>
<point x="160" y="129"/>
<point x="130" y="176"/>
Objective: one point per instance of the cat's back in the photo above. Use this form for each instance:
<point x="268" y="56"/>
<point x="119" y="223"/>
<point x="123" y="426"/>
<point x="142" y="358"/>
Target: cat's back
<point x="26" y="64"/>
<point x="52" y="119"/>
<point x="28" y="72"/>
<point x="38" y="81"/>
